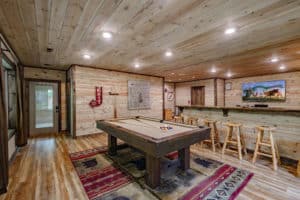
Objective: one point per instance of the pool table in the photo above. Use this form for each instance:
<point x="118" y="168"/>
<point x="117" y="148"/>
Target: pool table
<point x="155" y="138"/>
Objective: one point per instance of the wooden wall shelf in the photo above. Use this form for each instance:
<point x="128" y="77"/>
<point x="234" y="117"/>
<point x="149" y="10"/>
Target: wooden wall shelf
<point x="285" y="111"/>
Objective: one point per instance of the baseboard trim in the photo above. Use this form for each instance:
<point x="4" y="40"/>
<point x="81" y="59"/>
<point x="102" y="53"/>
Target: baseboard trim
<point x="92" y="134"/>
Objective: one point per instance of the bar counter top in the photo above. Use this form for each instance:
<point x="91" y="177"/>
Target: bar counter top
<point x="246" y="109"/>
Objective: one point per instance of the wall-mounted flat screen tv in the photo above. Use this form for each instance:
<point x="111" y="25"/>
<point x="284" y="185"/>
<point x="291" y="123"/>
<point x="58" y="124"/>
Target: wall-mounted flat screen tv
<point x="264" y="91"/>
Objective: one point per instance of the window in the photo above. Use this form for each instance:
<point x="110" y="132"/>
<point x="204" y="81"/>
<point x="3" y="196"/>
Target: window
<point x="198" y="95"/>
<point x="12" y="99"/>
<point x="10" y="94"/>
<point x="44" y="106"/>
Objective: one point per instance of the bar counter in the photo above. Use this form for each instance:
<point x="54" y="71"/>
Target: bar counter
<point x="286" y="121"/>
<point x="287" y="111"/>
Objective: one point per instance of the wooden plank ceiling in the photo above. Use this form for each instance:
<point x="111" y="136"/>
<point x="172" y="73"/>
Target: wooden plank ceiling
<point x="144" y="29"/>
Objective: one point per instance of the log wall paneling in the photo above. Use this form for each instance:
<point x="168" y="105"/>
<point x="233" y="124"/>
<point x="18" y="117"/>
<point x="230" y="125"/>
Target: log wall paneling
<point x="86" y="79"/>
<point x="233" y="97"/>
<point x="46" y="74"/>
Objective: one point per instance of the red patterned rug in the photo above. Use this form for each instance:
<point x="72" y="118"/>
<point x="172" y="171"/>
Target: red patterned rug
<point x="226" y="183"/>
<point x="103" y="180"/>
<point x="97" y="179"/>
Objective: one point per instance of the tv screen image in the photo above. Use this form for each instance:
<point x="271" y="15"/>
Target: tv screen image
<point x="264" y="91"/>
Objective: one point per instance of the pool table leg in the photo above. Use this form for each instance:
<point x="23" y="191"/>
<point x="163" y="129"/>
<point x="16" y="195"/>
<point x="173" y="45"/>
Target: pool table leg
<point x="112" y="145"/>
<point x="153" y="171"/>
<point x="184" y="158"/>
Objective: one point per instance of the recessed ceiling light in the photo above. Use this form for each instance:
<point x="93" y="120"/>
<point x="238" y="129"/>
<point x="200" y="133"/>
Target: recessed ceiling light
<point x="282" y="67"/>
<point x="229" y="74"/>
<point x="230" y="31"/>
<point x="107" y="35"/>
<point x="86" y="56"/>
<point x="136" y="65"/>
<point x="273" y="60"/>
<point x="168" y="54"/>
<point x="213" y="70"/>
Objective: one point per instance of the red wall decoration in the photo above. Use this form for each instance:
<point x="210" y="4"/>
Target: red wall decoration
<point x="98" y="101"/>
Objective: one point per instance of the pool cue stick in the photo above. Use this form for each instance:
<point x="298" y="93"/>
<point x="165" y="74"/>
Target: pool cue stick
<point x="115" y="103"/>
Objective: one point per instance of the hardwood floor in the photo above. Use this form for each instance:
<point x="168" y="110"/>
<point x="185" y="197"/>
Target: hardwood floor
<point x="43" y="170"/>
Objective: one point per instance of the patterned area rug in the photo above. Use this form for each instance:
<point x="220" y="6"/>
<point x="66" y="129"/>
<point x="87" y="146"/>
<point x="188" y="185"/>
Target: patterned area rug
<point x="203" y="165"/>
<point x="97" y="174"/>
<point x="121" y="177"/>
<point x="226" y="183"/>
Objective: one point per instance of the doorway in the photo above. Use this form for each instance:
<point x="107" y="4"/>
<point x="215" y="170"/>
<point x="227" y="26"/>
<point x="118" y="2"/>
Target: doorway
<point x="198" y="95"/>
<point x="44" y="107"/>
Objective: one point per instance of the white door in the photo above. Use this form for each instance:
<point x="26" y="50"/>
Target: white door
<point x="43" y="108"/>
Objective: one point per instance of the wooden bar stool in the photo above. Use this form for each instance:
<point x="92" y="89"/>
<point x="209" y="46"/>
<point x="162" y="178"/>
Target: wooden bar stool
<point x="192" y="121"/>
<point x="214" y="134"/>
<point x="239" y="142"/>
<point x="260" y="142"/>
<point x="178" y="119"/>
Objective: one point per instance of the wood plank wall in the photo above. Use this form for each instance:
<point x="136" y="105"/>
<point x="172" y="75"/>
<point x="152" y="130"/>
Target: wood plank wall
<point x="86" y="79"/>
<point x="47" y="74"/>
<point x="233" y="97"/>
<point x="169" y="87"/>
<point x="220" y="92"/>
<point x="183" y="92"/>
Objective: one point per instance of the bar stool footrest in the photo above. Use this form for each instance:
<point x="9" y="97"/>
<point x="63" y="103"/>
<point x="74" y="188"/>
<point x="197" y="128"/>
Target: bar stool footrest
<point x="230" y="150"/>
<point x="265" y="144"/>
<point x="264" y="154"/>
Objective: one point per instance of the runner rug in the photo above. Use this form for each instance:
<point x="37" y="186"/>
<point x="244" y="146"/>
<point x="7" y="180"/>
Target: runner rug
<point x="121" y="177"/>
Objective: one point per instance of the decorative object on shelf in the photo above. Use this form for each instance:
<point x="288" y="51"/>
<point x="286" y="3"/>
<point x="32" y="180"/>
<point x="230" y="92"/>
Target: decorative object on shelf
<point x="228" y="86"/>
<point x="264" y="91"/>
<point x="98" y="101"/>
<point x="138" y="95"/>
<point x="170" y="96"/>
<point x="168" y="114"/>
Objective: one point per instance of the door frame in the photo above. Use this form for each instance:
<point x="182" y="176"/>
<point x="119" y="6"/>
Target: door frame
<point x="26" y="102"/>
